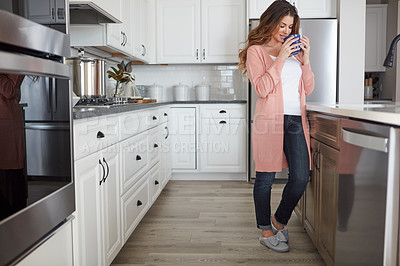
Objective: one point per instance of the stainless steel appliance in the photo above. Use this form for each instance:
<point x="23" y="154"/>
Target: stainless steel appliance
<point x="368" y="197"/>
<point x="36" y="53"/>
<point x="323" y="38"/>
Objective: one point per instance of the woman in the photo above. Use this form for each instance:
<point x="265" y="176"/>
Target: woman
<point x="280" y="131"/>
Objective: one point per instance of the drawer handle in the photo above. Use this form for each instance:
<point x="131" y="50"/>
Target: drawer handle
<point x="139" y="203"/>
<point x="165" y="114"/>
<point x="222" y="112"/>
<point x="155" y="145"/>
<point x="156" y="182"/>
<point x="222" y="122"/>
<point x="108" y="170"/>
<point x="154" y="117"/>
<point x="104" y="173"/>
<point x="166" y="128"/>
<point x="138" y="158"/>
<point x="100" y="135"/>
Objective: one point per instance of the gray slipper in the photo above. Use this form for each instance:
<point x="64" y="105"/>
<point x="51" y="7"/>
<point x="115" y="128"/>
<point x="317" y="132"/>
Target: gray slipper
<point x="285" y="232"/>
<point x="275" y="243"/>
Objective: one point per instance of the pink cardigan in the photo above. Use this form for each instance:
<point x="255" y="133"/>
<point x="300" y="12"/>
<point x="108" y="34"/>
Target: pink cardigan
<point x="267" y="133"/>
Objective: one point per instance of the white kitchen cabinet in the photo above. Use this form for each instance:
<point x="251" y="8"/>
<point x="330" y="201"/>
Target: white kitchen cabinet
<point x="306" y="8"/>
<point x="257" y="7"/>
<point x="142" y="28"/>
<point x="120" y="36"/>
<point x="109" y="8"/>
<point x="183" y="137"/>
<point x="155" y="183"/>
<point x="97" y="233"/>
<point x="200" y="31"/>
<point x="315" y="8"/>
<point x="222" y="145"/>
<point x="375" y="38"/>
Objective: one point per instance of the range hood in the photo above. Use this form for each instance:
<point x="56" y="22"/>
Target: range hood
<point x="89" y="13"/>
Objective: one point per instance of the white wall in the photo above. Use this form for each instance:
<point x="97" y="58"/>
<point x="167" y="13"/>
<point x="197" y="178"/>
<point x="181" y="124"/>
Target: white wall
<point x="225" y="80"/>
<point x="351" y="51"/>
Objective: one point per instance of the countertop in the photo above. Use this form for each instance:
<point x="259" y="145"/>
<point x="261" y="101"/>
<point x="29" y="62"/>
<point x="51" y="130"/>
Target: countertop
<point x="86" y="112"/>
<point x="387" y="113"/>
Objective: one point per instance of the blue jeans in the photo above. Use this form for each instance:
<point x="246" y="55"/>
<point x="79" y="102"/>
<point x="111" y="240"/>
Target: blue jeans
<point x="295" y="149"/>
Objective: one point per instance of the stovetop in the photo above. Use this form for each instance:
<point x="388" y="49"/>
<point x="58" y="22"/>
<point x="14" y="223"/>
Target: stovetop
<point x="103" y="102"/>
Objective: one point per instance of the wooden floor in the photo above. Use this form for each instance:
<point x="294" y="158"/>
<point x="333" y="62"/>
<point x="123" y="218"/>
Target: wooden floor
<point x="210" y="223"/>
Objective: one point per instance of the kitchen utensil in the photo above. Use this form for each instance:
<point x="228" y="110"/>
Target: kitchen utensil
<point x="89" y="76"/>
<point x="181" y="92"/>
<point x="203" y="92"/>
<point x="156" y="92"/>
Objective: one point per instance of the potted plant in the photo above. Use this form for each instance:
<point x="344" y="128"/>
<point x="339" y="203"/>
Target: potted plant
<point x="122" y="76"/>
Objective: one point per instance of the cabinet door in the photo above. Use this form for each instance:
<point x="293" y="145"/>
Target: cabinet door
<point x="222" y="145"/>
<point x="315" y="8"/>
<point x="183" y="142"/>
<point x="42" y="12"/>
<point x="223" y="28"/>
<point x="141" y="28"/>
<point x="375" y="38"/>
<point x="257" y="7"/>
<point x="118" y="33"/>
<point x="87" y="225"/>
<point x="178" y="31"/>
<point x="311" y="194"/>
<point x="328" y="187"/>
<point x="110" y="199"/>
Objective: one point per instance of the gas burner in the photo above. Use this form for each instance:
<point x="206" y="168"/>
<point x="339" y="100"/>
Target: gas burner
<point x="102" y="102"/>
<point x="94" y="101"/>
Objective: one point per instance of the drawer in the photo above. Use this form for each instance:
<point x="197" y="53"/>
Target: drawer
<point x="154" y="145"/>
<point x="164" y="113"/>
<point x="325" y="128"/>
<point x="132" y="123"/>
<point x="135" y="204"/>
<point x="94" y="134"/>
<point x="223" y="111"/>
<point x="153" y="117"/>
<point x="134" y="159"/>
<point x="155" y="182"/>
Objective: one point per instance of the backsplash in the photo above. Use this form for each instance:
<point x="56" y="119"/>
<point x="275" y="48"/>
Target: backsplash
<point x="226" y="81"/>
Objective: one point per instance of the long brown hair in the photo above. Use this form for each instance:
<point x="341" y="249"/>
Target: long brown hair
<point x="269" y="22"/>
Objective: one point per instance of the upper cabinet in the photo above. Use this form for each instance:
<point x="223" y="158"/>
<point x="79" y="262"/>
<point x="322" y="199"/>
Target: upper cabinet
<point x="306" y="8"/>
<point x="45" y="12"/>
<point x="375" y="38"/>
<point x="200" y="31"/>
<point x="120" y="36"/>
<point x="143" y="29"/>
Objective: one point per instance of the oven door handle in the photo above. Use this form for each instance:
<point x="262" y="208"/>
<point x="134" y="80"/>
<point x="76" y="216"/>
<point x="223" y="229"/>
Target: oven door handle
<point x="29" y="65"/>
<point x="365" y="139"/>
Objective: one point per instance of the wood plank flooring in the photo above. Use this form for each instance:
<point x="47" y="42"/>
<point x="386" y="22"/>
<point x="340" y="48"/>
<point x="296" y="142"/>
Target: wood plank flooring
<point x="210" y="223"/>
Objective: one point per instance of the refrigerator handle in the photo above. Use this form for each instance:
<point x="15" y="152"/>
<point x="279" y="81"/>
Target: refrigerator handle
<point x="54" y="95"/>
<point x="48" y="85"/>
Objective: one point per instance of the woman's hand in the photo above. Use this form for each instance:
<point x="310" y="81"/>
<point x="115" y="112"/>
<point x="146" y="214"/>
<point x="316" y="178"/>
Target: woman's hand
<point x="288" y="47"/>
<point x="305" y="49"/>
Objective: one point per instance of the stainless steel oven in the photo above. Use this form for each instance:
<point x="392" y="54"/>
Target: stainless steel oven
<point x="36" y="180"/>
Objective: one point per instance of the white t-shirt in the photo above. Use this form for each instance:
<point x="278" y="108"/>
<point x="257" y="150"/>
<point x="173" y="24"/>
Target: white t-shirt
<point x="290" y="77"/>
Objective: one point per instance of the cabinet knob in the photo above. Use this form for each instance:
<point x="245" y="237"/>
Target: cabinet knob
<point x="138" y="158"/>
<point x="154" y="117"/>
<point x="165" y="114"/>
<point x="104" y="173"/>
<point x="144" y="50"/>
<point x="222" y="112"/>
<point x="222" y="122"/>
<point x="156" y="182"/>
<point x="100" y="135"/>
<point x="155" y="145"/>
<point x="139" y="203"/>
<point x="108" y="170"/>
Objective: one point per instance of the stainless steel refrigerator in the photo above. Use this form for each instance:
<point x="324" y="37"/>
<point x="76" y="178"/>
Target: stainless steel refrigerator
<point x="323" y="57"/>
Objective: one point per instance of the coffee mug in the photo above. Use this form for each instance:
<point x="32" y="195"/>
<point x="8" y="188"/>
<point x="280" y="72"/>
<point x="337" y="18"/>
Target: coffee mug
<point x="296" y="36"/>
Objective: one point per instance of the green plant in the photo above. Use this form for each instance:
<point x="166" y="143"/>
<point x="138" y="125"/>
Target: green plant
<point x="121" y="75"/>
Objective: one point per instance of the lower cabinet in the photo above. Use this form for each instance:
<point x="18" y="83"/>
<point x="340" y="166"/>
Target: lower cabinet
<point x="97" y="227"/>
<point x="328" y="198"/>
<point x="222" y="146"/>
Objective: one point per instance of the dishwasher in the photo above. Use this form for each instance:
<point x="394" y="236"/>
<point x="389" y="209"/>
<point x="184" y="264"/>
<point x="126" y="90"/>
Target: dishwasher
<point x="368" y="194"/>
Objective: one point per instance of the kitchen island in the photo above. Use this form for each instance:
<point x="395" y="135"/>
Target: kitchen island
<point x="354" y="183"/>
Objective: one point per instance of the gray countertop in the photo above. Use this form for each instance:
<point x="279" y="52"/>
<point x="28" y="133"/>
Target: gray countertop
<point x="387" y="113"/>
<point x="86" y="112"/>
